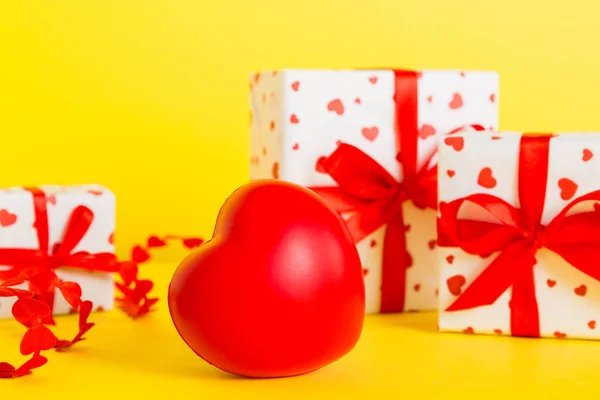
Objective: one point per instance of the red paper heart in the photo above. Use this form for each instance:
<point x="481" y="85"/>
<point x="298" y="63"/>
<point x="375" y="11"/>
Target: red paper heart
<point x="450" y="173"/>
<point x="71" y="291"/>
<point x="320" y="166"/>
<point x="275" y="170"/>
<point x="7" y="218"/>
<point x="336" y="106"/>
<point x="457" y="101"/>
<point x="37" y="338"/>
<point x="370" y="133"/>
<point x="191" y="243"/>
<point x="450" y="259"/>
<point x="431" y="244"/>
<point x="486" y="178"/>
<point x="493" y="97"/>
<point x="468" y="329"/>
<point x="373" y="243"/>
<point x="587" y="155"/>
<point x="139" y="255"/>
<point x="272" y="125"/>
<point x="592" y="324"/>
<point x="365" y="271"/>
<point x="426" y="131"/>
<point x="357" y="100"/>
<point x="456" y="142"/>
<point x="417" y="287"/>
<point x="373" y="79"/>
<point x="568" y="188"/>
<point x="551" y="283"/>
<point x="581" y="290"/>
<point x="430" y="99"/>
<point x="155" y="241"/>
<point x="295" y="86"/>
<point x="27" y="310"/>
<point x="455" y="284"/>
<point x="294" y="119"/>
<point x="560" y="335"/>
<point x="296" y="146"/>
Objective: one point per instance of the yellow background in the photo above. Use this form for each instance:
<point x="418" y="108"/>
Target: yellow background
<point x="149" y="97"/>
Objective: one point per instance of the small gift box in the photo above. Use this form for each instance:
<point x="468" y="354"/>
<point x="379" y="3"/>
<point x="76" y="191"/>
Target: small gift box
<point x="365" y="140"/>
<point x="58" y="229"/>
<point x="519" y="230"/>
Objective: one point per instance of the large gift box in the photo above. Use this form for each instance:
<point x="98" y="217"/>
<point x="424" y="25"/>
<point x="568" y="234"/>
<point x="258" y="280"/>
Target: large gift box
<point x="56" y="228"/>
<point x="519" y="234"/>
<point x="343" y="133"/>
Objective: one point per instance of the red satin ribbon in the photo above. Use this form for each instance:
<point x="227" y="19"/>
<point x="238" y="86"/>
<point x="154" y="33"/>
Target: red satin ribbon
<point x="518" y="236"/>
<point x="34" y="261"/>
<point x="374" y="197"/>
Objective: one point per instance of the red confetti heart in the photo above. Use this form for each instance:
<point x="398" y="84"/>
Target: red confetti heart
<point x="191" y="243"/>
<point x="365" y="271"/>
<point x="320" y="166"/>
<point x="431" y="244"/>
<point x="450" y="173"/>
<point x="486" y="178"/>
<point x="370" y="133"/>
<point x="592" y="324"/>
<point x="587" y="155"/>
<point x="275" y="170"/>
<point x="294" y="119"/>
<point x="581" y="290"/>
<point x="493" y="97"/>
<point x="551" y="283"/>
<point x="426" y="131"/>
<point x="456" y="102"/>
<point x="568" y="188"/>
<point x="498" y="331"/>
<point x="296" y="146"/>
<point x="295" y="86"/>
<point x="27" y="310"/>
<point x="357" y="100"/>
<point x="111" y="238"/>
<point x="373" y="243"/>
<point x="139" y="255"/>
<point x="560" y="335"/>
<point x="450" y="259"/>
<point x="373" y="80"/>
<point x="336" y="106"/>
<point x="7" y="218"/>
<point x="155" y="241"/>
<point x="417" y="287"/>
<point x="455" y="284"/>
<point x="468" y="329"/>
<point x="272" y="125"/>
<point x="430" y="99"/>
<point x="37" y="338"/>
<point x="71" y="291"/>
<point x="456" y="142"/>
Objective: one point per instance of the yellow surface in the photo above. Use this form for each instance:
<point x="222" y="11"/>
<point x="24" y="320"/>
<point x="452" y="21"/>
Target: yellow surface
<point x="150" y="96"/>
<point x="398" y="357"/>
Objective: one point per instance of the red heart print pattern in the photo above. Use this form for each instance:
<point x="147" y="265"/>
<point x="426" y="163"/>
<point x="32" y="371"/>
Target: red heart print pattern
<point x="462" y="74"/>
<point x="295" y="86"/>
<point x="294" y="119"/>
<point x="560" y="335"/>
<point x="469" y="329"/>
<point x="275" y="170"/>
<point x="370" y="133"/>
<point x="51" y="199"/>
<point x="456" y="102"/>
<point x="373" y="243"/>
<point x="296" y="146"/>
<point x="417" y="287"/>
<point x="456" y="142"/>
<point x="450" y="173"/>
<point x="336" y="106"/>
<point x="426" y="131"/>
<point x="430" y="99"/>
<point x="272" y="125"/>
<point x="592" y="324"/>
<point x="581" y="290"/>
<point x="455" y="284"/>
<point x="7" y="218"/>
<point x="498" y="331"/>
<point x="373" y="80"/>
<point x="431" y="244"/>
<point x="111" y="238"/>
<point x="486" y="178"/>
<point x="587" y="155"/>
<point x="95" y="192"/>
<point x="493" y="97"/>
<point x="551" y="283"/>
<point x="450" y="259"/>
<point x="568" y="188"/>
<point x="357" y="100"/>
<point x="495" y="137"/>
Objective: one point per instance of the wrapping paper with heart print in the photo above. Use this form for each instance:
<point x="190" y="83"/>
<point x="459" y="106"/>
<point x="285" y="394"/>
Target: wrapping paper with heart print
<point x="299" y="116"/>
<point x="568" y="300"/>
<point x="17" y="231"/>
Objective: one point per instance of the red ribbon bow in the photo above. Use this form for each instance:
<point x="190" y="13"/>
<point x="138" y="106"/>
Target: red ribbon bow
<point x="518" y="236"/>
<point x="375" y="197"/>
<point x="37" y="264"/>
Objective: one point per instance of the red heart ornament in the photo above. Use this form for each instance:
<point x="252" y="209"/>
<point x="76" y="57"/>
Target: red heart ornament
<point x="278" y="290"/>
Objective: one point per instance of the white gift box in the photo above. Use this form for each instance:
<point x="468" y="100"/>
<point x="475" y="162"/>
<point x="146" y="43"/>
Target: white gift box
<point x="18" y="231"/>
<point x="300" y="116"/>
<point x="557" y="293"/>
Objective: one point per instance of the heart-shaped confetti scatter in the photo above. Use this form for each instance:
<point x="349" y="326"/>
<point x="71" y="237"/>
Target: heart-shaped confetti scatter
<point x="456" y="142"/>
<point x="581" y="290"/>
<point x="370" y="133"/>
<point x="455" y="284"/>
<point x="294" y="119"/>
<point x="568" y="188"/>
<point x="486" y="178"/>
<point x="456" y="102"/>
<point x="587" y="155"/>
<point x="426" y="131"/>
<point x="295" y="86"/>
<point x="336" y="106"/>
<point x="7" y="218"/>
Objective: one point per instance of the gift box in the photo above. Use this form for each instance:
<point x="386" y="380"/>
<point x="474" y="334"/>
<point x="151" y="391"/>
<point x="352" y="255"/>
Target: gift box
<point x="519" y="234"/>
<point x="378" y="129"/>
<point x="58" y="228"/>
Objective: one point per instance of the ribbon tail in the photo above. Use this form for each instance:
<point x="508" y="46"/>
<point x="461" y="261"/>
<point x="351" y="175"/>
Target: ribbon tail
<point x="501" y="274"/>
<point x="396" y="260"/>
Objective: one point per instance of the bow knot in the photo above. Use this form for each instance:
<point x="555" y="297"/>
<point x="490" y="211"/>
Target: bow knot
<point x="538" y="235"/>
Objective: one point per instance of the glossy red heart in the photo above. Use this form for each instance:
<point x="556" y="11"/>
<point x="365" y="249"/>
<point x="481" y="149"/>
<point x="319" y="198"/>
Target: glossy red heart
<point x="278" y="290"/>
